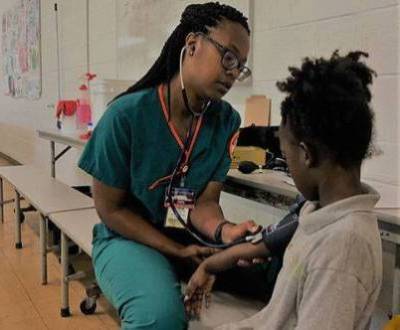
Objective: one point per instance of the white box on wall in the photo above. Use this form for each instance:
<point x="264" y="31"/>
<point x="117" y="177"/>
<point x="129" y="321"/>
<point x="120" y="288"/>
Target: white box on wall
<point x="102" y="91"/>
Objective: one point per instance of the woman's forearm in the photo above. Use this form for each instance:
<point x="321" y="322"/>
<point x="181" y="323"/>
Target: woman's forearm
<point x="132" y="226"/>
<point x="206" y="216"/>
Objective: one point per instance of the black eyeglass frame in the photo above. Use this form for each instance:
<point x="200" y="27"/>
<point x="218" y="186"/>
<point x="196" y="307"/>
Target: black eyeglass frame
<point x="245" y="72"/>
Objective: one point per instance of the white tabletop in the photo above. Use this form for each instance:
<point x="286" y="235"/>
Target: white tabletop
<point x="390" y="215"/>
<point x="271" y="181"/>
<point x="68" y="138"/>
<point x="78" y="226"/>
<point x="44" y="192"/>
<point x="277" y="182"/>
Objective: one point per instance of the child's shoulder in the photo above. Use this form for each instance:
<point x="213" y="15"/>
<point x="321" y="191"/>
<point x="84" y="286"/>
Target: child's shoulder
<point x="351" y="245"/>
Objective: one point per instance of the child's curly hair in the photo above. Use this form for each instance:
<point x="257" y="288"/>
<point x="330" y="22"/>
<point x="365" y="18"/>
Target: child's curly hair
<point x="328" y="103"/>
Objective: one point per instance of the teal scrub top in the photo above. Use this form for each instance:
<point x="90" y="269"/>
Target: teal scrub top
<point x="133" y="146"/>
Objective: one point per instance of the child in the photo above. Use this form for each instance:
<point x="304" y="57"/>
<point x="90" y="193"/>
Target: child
<point x="332" y="268"/>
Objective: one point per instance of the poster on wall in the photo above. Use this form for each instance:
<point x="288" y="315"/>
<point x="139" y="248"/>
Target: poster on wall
<point x="20" y="46"/>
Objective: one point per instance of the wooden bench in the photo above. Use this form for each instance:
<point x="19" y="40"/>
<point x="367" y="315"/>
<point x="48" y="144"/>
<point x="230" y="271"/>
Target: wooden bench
<point x="47" y="195"/>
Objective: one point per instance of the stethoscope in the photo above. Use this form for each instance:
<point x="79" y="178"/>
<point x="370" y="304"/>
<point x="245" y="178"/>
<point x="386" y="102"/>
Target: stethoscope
<point x="184" y="168"/>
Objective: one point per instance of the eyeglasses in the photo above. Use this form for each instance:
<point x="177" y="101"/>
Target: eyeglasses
<point x="229" y="59"/>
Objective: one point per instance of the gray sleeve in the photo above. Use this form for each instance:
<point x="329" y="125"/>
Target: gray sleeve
<point x="330" y="300"/>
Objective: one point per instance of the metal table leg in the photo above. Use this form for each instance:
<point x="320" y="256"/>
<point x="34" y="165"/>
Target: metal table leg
<point x="53" y="158"/>
<point x="18" y="243"/>
<point x="396" y="283"/>
<point x="43" y="248"/>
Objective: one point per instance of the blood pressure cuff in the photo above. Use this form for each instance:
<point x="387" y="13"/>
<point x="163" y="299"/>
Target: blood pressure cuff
<point x="276" y="237"/>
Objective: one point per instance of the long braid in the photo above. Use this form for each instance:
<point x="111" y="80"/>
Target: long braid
<point x="195" y="18"/>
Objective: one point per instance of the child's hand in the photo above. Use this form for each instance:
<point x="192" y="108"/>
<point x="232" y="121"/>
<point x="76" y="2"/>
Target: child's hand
<point x="198" y="288"/>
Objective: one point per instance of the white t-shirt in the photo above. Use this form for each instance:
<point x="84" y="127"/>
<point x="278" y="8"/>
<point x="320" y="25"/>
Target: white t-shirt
<point x="332" y="270"/>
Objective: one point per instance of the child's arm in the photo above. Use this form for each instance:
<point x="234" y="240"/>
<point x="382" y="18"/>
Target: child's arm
<point x="201" y="282"/>
<point x="229" y="258"/>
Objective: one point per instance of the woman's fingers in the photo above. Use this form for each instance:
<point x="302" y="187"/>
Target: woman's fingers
<point x="197" y="260"/>
<point x="244" y="263"/>
<point x="206" y="251"/>
<point x="254" y="261"/>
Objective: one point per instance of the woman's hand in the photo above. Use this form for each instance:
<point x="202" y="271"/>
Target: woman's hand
<point x="252" y="261"/>
<point x="196" y="253"/>
<point x="198" y="289"/>
<point x="232" y="232"/>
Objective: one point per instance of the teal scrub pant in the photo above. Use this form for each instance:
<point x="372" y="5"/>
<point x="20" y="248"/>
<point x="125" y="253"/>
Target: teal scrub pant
<point x="144" y="286"/>
<point x="140" y="283"/>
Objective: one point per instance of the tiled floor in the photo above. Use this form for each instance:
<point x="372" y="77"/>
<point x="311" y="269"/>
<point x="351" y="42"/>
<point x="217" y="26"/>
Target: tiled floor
<point x="24" y="302"/>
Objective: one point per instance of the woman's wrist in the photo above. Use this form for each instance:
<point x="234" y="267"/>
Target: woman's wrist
<point x="226" y="232"/>
<point x="177" y="250"/>
<point x="218" y="231"/>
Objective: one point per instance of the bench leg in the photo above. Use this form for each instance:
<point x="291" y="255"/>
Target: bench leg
<point x="43" y="248"/>
<point x="64" y="276"/>
<point x="1" y="201"/>
<point x="18" y="243"/>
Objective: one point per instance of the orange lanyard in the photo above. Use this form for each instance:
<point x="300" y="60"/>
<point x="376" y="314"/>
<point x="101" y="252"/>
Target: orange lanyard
<point x="184" y="167"/>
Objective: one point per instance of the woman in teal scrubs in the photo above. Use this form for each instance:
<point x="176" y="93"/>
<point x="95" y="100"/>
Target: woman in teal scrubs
<point x="134" y="150"/>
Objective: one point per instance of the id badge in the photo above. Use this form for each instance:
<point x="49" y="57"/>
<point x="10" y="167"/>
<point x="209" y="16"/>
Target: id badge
<point x="183" y="199"/>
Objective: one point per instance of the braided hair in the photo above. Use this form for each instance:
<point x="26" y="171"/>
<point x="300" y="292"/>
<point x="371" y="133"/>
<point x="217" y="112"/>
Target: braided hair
<point x="195" y="18"/>
<point x="328" y="103"/>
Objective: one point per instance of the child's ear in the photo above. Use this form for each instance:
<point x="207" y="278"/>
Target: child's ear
<point x="309" y="155"/>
